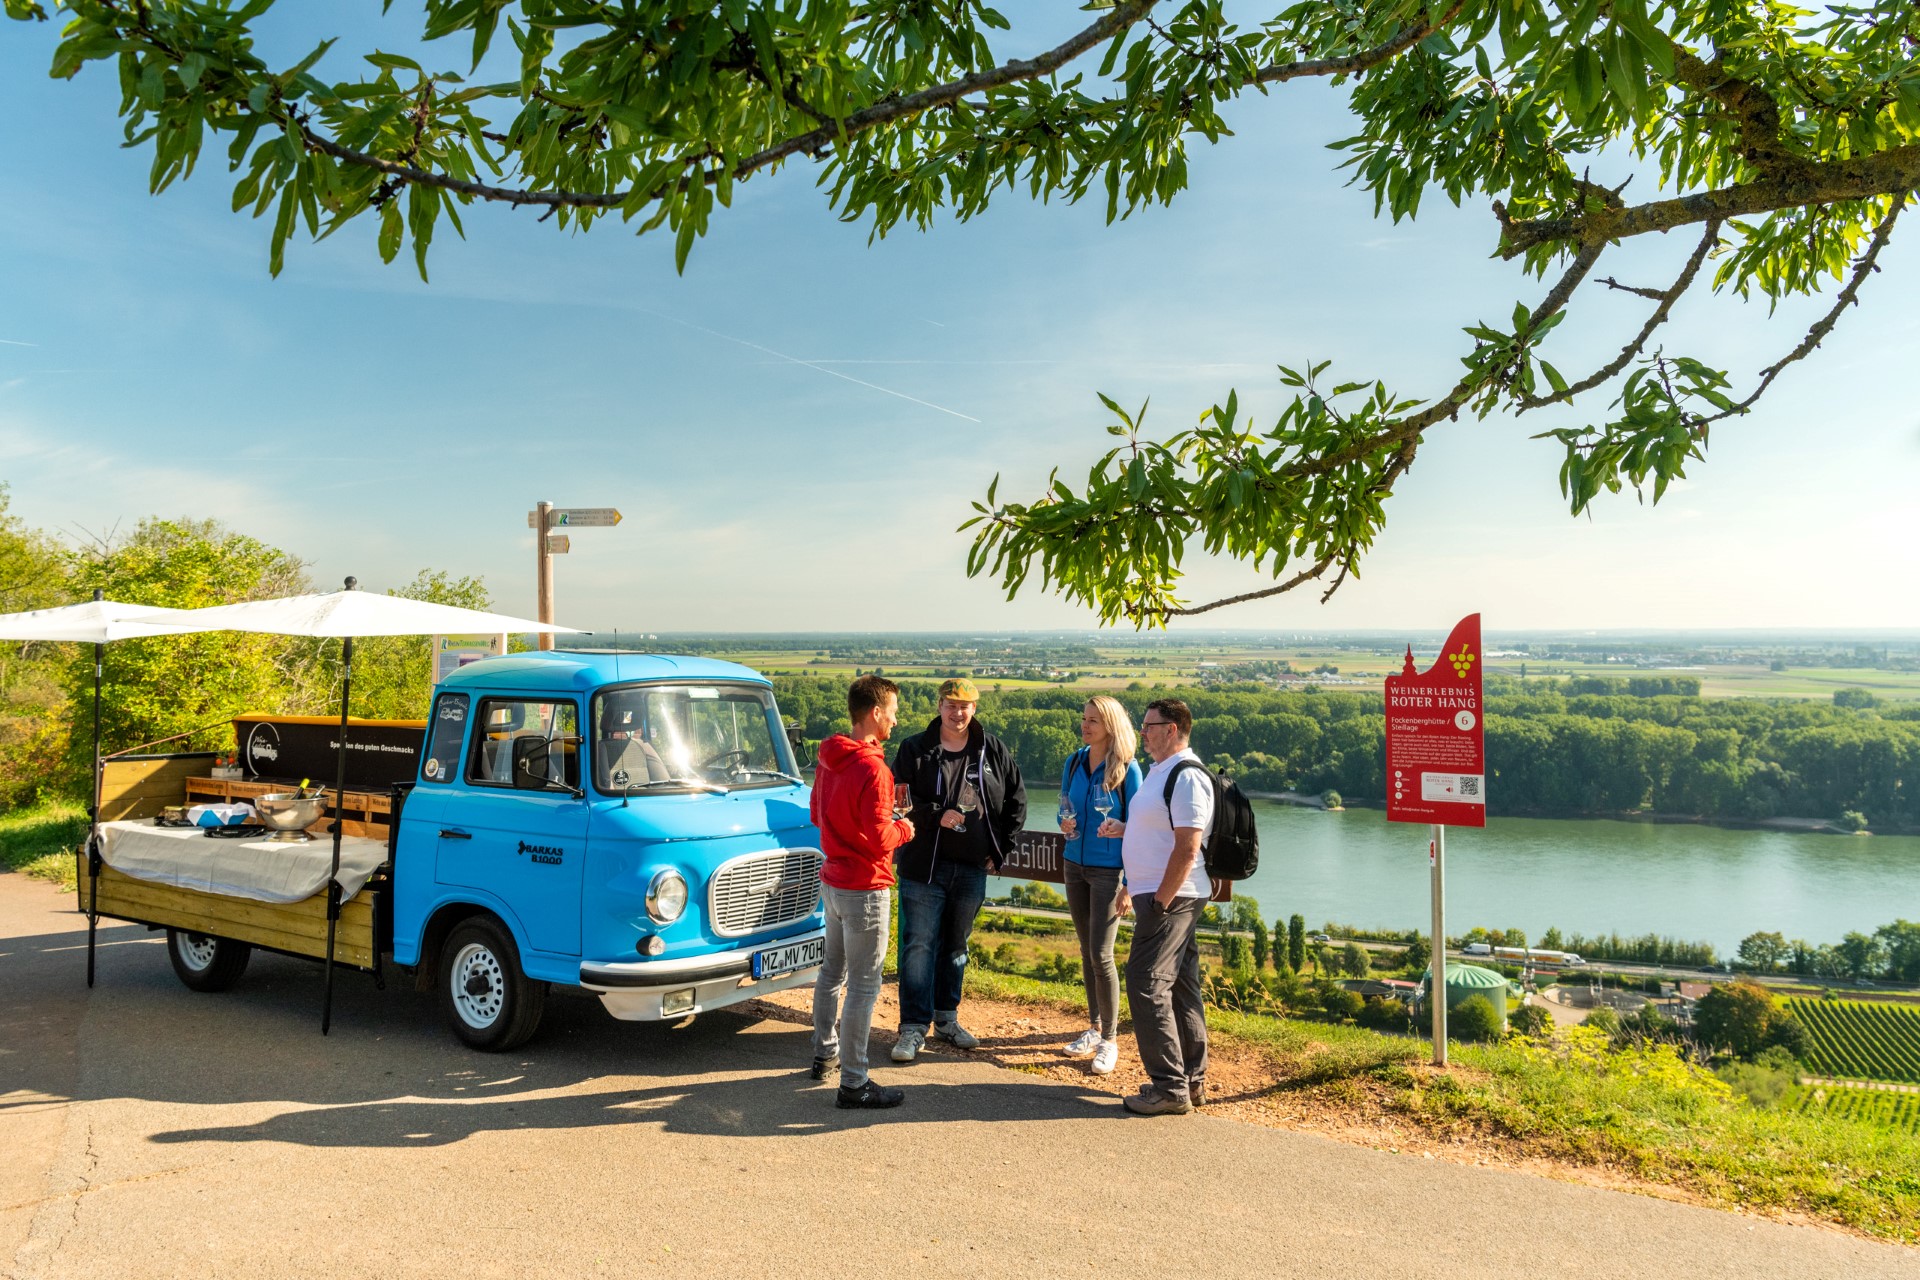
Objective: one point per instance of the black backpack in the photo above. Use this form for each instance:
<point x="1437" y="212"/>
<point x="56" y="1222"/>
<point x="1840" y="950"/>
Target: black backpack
<point x="1230" y="845"/>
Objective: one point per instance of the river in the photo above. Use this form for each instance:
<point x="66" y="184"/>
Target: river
<point x="1698" y="883"/>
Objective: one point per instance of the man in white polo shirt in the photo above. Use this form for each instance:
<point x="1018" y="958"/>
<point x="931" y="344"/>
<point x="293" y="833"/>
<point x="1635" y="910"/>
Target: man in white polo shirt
<point x="1168" y="881"/>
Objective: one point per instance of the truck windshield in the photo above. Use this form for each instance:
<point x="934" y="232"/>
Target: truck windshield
<point x="688" y="737"/>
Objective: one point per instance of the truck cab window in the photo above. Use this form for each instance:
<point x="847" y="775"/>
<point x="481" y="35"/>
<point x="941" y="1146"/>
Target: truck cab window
<point x="446" y="733"/>
<point x="680" y="737"/>
<point x="527" y="744"/>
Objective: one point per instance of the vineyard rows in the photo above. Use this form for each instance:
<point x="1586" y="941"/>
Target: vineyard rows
<point x="1861" y="1041"/>
<point x="1897" y="1111"/>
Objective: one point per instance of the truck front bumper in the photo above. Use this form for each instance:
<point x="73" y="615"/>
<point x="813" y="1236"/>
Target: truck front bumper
<point x="655" y="990"/>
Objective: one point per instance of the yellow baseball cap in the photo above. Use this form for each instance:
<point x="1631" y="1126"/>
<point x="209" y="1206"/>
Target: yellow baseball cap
<point x="959" y="690"/>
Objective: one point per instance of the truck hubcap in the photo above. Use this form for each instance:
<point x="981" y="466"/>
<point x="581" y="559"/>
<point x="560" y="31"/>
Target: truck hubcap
<point x="479" y="985"/>
<point x="196" y="950"/>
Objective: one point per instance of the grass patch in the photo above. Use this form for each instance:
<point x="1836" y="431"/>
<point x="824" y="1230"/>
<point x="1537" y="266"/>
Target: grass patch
<point x="1645" y="1111"/>
<point x="40" y="841"/>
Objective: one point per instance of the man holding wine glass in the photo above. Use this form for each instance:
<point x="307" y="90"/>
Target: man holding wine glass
<point x="966" y="790"/>
<point x="852" y="793"/>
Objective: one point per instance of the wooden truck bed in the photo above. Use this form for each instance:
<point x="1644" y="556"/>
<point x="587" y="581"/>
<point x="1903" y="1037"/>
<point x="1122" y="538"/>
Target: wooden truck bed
<point x="297" y="928"/>
<point x="140" y="786"/>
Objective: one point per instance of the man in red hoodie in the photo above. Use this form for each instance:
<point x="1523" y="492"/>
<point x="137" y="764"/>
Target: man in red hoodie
<point x="853" y="808"/>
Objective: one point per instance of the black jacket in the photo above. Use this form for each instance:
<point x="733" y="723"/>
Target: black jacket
<point x="1003" y="800"/>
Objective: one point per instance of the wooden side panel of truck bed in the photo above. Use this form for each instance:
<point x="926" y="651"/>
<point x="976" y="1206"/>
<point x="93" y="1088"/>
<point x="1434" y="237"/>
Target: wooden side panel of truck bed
<point x="296" y="927"/>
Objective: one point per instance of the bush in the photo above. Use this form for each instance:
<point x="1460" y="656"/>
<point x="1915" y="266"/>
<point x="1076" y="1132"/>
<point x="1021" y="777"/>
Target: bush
<point x="1606" y="1019"/>
<point x="1340" y="1003"/>
<point x="1765" y="1080"/>
<point x="1473" y="1019"/>
<point x="1530" y="1020"/>
<point x="1331" y="799"/>
<point x="1852" y="820"/>
<point x="1039" y="896"/>
<point x="1384" y="1013"/>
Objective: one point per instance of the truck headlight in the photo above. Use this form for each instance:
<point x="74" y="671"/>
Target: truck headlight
<point x="667" y="896"/>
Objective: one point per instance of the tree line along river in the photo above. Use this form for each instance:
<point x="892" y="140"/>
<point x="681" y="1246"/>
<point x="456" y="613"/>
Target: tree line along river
<point x="1697" y="883"/>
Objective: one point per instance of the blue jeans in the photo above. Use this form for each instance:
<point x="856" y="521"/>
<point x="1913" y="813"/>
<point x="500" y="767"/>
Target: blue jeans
<point x="856" y="948"/>
<point x="936" y="917"/>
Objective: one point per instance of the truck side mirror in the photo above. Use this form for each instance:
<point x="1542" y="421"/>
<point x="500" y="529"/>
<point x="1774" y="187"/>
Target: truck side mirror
<point x="796" y="739"/>
<point x="530" y="764"/>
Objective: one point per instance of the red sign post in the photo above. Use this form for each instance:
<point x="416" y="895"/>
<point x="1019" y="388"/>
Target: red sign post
<point x="1436" y="741"/>
<point x="1437" y="773"/>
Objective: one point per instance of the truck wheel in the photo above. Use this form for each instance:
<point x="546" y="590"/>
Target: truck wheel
<point x="490" y="1004"/>
<point x="204" y="963"/>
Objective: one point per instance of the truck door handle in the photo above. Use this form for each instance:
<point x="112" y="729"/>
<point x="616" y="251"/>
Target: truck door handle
<point x="448" y="834"/>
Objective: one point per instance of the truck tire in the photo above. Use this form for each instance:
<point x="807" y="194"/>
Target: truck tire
<point x="204" y="963"/>
<point x="489" y="1002"/>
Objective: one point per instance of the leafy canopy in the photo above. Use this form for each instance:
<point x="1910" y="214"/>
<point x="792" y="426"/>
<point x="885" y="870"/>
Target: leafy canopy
<point x="1783" y="139"/>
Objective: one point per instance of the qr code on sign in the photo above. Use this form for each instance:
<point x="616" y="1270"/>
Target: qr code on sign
<point x="1469" y="786"/>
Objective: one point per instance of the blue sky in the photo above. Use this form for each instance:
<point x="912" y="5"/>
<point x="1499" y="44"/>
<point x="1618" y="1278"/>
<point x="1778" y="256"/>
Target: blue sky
<point x="796" y="425"/>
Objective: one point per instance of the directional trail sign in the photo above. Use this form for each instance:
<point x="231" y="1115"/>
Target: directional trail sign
<point x="577" y="518"/>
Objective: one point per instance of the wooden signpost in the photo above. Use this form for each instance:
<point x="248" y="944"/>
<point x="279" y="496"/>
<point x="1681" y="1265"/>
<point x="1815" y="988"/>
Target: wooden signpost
<point x="543" y="520"/>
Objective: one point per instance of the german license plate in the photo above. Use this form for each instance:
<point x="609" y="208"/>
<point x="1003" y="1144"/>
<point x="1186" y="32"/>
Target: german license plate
<point x="775" y="961"/>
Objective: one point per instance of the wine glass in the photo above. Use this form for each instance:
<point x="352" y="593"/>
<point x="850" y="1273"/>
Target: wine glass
<point x="1067" y="812"/>
<point x="966" y="802"/>
<point x="1103" y="803"/>
<point x="902" y="799"/>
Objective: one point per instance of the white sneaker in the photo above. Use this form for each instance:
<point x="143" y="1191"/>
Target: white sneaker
<point x="907" y="1047"/>
<point x="1083" y="1044"/>
<point x="1106" y="1057"/>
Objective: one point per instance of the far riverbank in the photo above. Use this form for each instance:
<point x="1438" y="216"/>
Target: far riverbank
<point x="1814" y="826"/>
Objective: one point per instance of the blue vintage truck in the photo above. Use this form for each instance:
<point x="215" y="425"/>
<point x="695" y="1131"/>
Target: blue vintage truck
<point x="632" y="825"/>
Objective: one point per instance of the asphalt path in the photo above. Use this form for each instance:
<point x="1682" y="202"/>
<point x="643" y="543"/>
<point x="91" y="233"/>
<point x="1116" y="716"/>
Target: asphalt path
<point x="148" y="1130"/>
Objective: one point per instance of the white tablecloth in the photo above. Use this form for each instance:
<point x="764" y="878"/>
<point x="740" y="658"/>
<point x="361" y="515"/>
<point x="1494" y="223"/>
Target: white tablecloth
<point x="264" y="870"/>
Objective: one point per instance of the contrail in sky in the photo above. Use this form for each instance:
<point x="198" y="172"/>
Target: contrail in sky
<point x="9" y="342"/>
<point x="808" y="364"/>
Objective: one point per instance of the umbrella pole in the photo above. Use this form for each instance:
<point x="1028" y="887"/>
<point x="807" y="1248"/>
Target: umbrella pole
<point x="339" y="821"/>
<point x="93" y="811"/>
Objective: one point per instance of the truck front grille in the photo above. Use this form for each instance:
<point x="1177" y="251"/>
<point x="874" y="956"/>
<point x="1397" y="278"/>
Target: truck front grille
<point x="764" y="890"/>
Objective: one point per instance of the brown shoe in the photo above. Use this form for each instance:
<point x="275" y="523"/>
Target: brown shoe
<point x="1155" y="1103"/>
<point x="1197" y="1092"/>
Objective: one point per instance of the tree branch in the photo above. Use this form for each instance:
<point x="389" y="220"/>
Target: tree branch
<point x="1654" y="321"/>
<point x="1894" y="171"/>
<point x="887" y="111"/>
<point x="1281" y="72"/>
<point x="1848" y="297"/>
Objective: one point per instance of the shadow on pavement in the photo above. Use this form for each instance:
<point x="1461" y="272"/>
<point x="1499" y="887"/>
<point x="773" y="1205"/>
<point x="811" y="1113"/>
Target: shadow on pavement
<point x="392" y="1075"/>
<point x="755" y="1106"/>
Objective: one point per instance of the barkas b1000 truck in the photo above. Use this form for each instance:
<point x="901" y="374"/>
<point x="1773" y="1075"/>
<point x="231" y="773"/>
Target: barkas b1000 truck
<point x="632" y="825"/>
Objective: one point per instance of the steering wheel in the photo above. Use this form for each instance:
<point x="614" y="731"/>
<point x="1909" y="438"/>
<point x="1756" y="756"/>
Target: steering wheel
<point x="714" y="762"/>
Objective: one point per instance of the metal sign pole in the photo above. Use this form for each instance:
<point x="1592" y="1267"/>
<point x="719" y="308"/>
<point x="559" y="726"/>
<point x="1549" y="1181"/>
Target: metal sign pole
<point x="543" y="574"/>
<point x="1437" y="992"/>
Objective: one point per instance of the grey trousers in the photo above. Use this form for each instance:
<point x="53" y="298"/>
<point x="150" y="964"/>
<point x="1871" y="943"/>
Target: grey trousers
<point x="857" y="922"/>
<point x="1163" y="993"/>
<point x="1092" y="899"/>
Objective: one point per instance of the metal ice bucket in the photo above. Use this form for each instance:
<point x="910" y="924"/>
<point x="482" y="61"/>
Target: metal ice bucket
<point x="289" y="813"/>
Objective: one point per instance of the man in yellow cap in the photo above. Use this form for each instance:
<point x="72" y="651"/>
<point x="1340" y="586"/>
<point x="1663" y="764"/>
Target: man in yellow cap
<point x="968" y="803"/>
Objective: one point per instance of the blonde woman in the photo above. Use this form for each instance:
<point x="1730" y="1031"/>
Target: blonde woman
<point x="1096" y="787"/>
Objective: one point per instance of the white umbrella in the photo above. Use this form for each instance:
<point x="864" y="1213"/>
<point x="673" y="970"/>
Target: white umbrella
<point x="346" y="614"/>
<point x="97" y="622"/>
<point x="350" y="613"/>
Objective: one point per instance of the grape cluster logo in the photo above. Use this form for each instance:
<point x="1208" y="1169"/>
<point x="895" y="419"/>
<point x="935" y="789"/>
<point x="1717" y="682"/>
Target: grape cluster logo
<point x="1462" y="661"/>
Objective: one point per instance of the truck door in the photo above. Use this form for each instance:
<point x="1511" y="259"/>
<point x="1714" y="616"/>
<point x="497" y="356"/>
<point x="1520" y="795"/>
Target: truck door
<point x="518" y="828"/>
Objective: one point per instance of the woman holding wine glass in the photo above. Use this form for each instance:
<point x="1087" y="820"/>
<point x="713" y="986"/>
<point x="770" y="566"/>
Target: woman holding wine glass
<point x="1096" y="788"/>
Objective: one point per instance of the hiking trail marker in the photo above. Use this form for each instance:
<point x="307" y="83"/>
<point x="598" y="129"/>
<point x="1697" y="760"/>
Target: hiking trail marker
<point x="543" y="520"/>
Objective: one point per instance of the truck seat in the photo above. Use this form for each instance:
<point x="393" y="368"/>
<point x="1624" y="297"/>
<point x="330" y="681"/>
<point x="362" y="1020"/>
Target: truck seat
<point x="634" y="757"/>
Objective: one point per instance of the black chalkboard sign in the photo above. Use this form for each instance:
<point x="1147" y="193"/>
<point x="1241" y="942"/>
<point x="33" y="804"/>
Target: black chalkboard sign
<point x="289" y="748"/>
